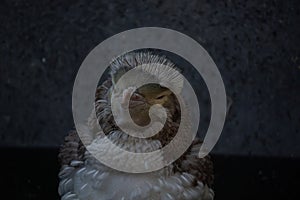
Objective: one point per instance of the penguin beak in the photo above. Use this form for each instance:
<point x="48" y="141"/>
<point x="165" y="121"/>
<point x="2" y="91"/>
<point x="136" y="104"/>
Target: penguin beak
<point x="136" y="100"/>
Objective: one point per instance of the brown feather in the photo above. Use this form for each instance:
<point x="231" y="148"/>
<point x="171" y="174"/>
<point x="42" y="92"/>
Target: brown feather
<point x="72" y="149"/>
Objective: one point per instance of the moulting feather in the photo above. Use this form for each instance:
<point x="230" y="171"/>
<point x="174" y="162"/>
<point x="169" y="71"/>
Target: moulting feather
<point x="83" y="177"/>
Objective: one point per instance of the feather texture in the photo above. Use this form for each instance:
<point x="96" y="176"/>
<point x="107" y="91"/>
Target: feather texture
<point x="83" y="177"/>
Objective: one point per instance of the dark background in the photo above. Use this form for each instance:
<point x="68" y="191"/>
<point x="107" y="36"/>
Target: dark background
<point x="255" y="45"/>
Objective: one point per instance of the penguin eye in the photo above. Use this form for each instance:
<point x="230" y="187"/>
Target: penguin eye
<point x="160" y="97"/>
